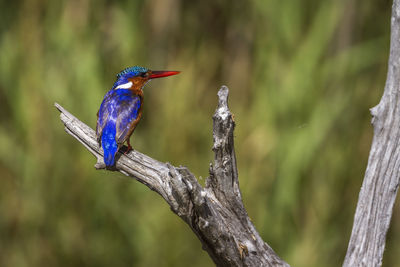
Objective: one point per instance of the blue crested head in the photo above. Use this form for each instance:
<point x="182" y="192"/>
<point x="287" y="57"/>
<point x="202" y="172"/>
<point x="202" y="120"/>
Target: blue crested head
<point x="138" y="76"/>
<point x="131" y="72"/>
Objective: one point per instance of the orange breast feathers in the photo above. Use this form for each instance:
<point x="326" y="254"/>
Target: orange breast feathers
<point x="137" y="85"/>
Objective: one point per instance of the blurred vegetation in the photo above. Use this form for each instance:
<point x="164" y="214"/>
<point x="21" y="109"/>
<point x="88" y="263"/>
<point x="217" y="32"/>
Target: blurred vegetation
<point x="302" y="75"/>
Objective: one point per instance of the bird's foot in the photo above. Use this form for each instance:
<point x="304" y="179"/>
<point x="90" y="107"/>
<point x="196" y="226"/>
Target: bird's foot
<point x="128" y="149"/>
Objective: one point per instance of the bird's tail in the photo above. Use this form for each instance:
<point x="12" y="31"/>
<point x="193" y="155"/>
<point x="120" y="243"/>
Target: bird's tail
<point x="109" y="144"/>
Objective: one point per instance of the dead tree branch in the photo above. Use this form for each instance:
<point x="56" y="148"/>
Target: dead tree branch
<point x="215" y="213"/>
<point x="382" y="179"/>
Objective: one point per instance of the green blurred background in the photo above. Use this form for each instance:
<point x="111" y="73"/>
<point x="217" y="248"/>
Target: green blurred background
<point x="302" y="76"/>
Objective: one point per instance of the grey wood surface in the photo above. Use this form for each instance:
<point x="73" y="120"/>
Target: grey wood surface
<point x="381" y="181"/>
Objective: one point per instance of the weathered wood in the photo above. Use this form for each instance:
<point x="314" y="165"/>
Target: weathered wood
<point x="382" y="179"/>
<point x="215" y="213"/>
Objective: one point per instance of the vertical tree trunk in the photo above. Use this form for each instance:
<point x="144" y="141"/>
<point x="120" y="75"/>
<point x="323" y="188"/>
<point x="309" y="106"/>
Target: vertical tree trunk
<point x="381" y="181"/>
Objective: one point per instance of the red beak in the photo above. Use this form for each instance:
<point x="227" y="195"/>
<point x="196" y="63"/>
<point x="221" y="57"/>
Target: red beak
<point x="162" y="73"/>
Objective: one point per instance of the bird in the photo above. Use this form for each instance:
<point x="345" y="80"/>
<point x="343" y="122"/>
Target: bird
<point x="121" y="109"/>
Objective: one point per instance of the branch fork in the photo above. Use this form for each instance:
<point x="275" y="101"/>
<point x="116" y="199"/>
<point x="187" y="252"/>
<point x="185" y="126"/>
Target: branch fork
<point x="215" y="213"/>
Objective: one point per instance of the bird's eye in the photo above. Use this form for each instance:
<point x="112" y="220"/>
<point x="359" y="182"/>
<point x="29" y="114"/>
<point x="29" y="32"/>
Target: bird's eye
<point x="144" y="75"/>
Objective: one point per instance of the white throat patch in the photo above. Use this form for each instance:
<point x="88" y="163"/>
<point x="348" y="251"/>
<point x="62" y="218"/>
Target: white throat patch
<point x="124" y="86"/>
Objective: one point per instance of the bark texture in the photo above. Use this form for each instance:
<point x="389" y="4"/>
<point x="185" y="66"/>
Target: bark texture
<point x="381" y="181"/>
<point x="215" y="212"/>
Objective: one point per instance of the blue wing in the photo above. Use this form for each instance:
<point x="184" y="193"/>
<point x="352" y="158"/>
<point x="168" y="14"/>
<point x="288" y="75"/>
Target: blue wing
<point x="102" y="115"/>
<point x="129" y="113"/>
<point x="118" y="115"/>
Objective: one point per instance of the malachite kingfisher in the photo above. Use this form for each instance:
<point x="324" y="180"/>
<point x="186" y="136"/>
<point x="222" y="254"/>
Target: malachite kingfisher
<point x="121" y="109"/>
